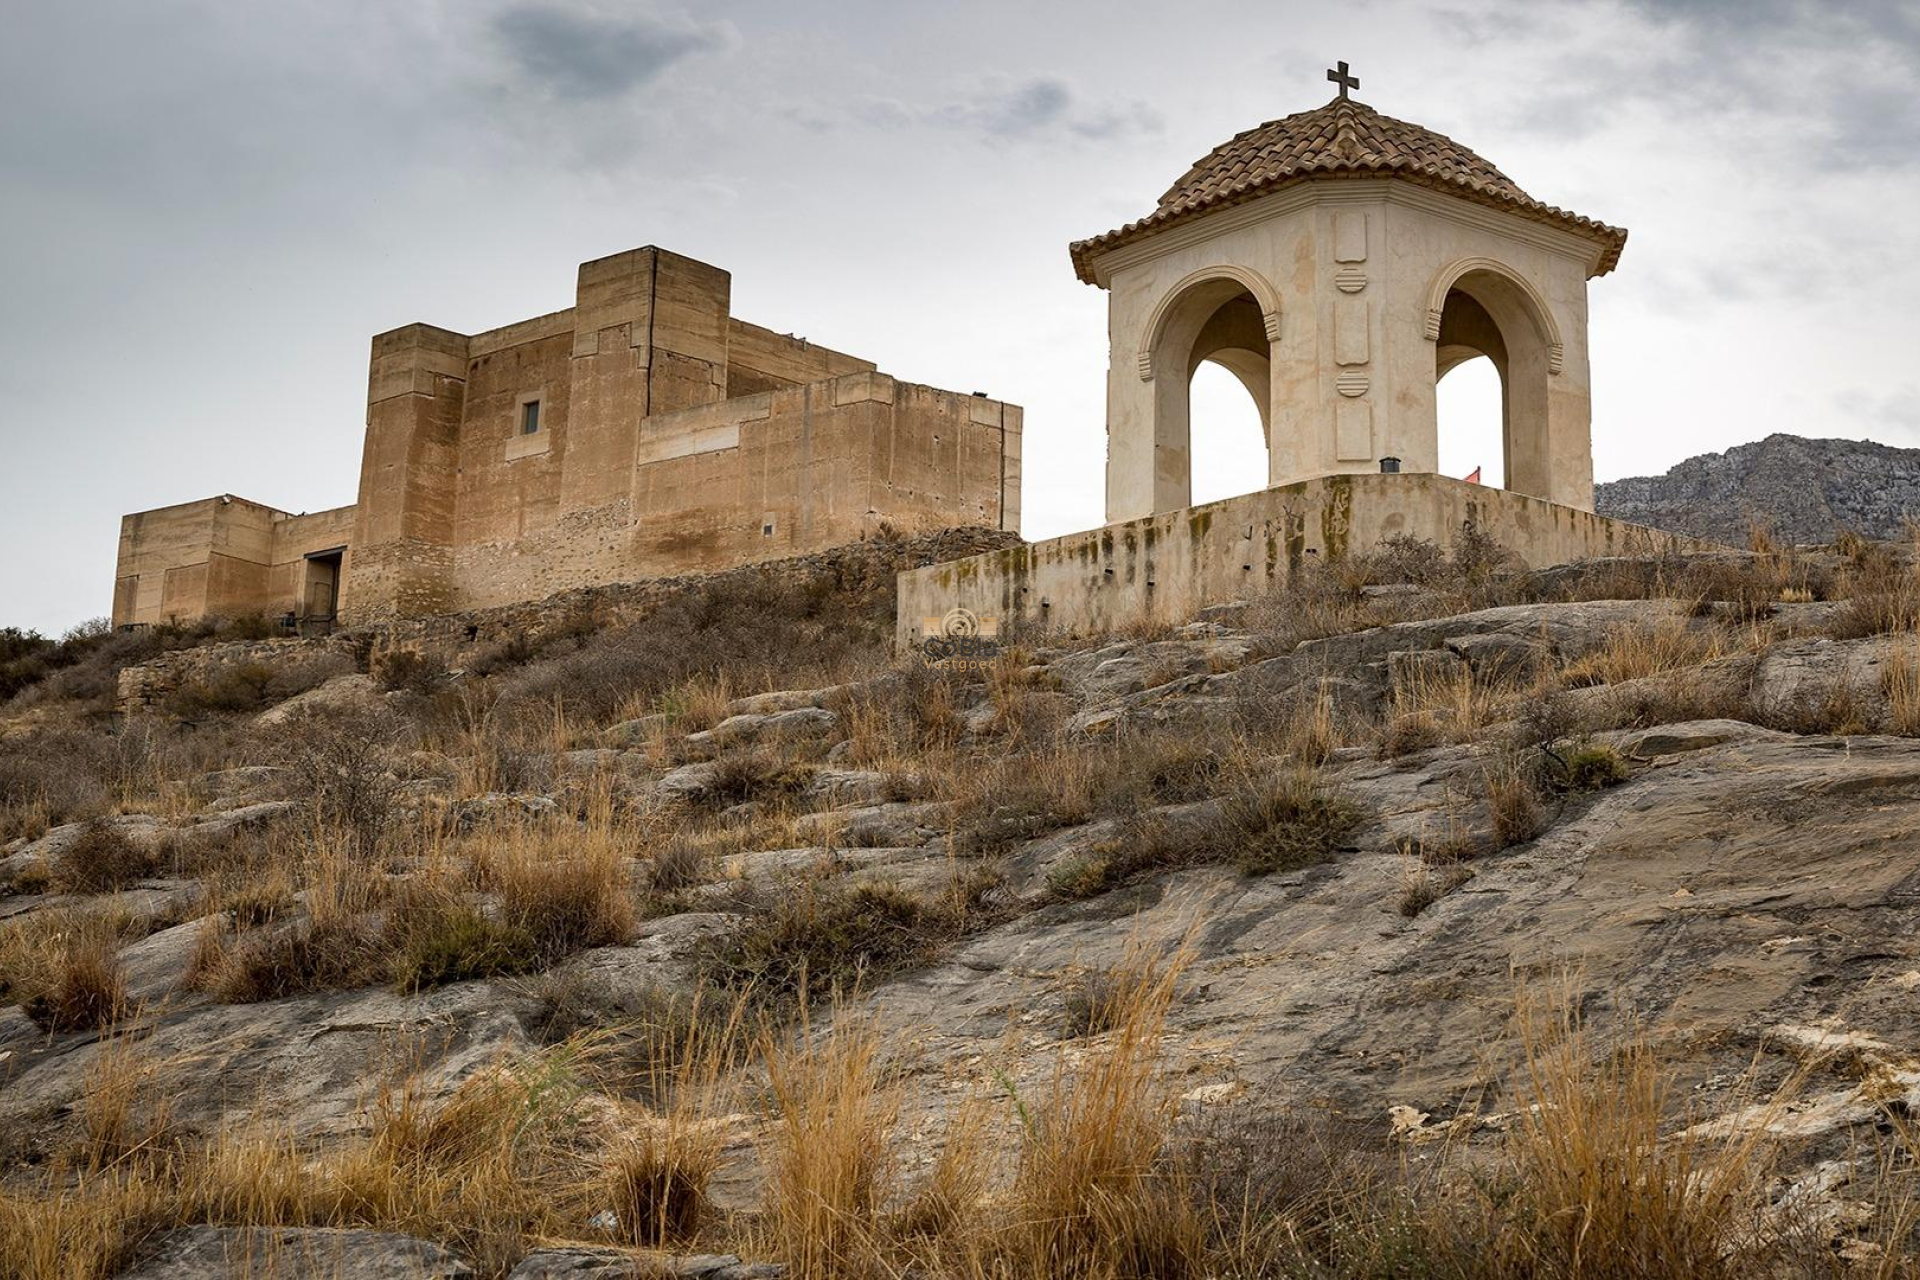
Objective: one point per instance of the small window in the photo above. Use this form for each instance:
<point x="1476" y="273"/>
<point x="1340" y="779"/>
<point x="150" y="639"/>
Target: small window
<point x="530" y="418"/>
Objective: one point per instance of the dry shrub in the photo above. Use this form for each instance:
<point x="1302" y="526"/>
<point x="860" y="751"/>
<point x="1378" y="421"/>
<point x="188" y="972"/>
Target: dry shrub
<point x="1632" y="653"/>
<point x="656" y="1173"/>
<point x="321" y="954"/>
<point x="338" y="762"/>
<point x="913" y="708"/>
<point x="678" y="864"/>
<point x="829" y="1168"/>
<point x="1450" y="706"/>
<point x="1882" y="596"/>
<point x="1100" y="1000"/>
<point x="1426" y="884"/>
<point x="1901" y="679"/>
<point x="1516" y="806"/>
<point x="1595" y="1187"/>
<point x="1586" y="766"/>
<point x="826" y="932"/>
<point x="756" y="773"/>
<point x="102" y="858"/>
<point x="48" y="778"/>
<point x="1094" y="1194"/>
<point x="1268" y="822"/>
<point x="1308" y="730"/>
<point x="566" y="888"/>
<point x="761" y="629"/>
<point x="999" y="804"/>
<point x="1284" y="821"/>
<point x="407" y="670"/>
<point x="126" y="1107"/>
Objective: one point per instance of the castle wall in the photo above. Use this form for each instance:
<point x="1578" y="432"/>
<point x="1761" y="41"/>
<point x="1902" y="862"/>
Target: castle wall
<point x="1166" y="568"/>
<point x="672" y="438"/>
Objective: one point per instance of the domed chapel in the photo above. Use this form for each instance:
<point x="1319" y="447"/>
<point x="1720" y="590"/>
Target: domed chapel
<point x="1339" y="263"/>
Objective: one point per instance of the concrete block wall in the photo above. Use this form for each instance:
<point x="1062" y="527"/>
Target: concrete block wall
<point x="1168" y="567"/>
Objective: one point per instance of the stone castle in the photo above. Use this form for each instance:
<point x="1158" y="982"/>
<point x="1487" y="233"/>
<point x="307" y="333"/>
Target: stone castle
<point x="641" y="433"/>
<point x="1338" y="262"/>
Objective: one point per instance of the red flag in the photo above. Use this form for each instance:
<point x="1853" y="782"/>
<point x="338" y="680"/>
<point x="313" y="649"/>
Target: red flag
<point x="1473" y="476"/>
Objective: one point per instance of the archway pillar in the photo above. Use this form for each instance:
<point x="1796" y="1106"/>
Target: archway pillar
<point x="1149" y="429"/>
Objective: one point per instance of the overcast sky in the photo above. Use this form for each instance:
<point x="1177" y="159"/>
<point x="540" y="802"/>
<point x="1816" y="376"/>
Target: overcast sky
<point x="206" y="209"/>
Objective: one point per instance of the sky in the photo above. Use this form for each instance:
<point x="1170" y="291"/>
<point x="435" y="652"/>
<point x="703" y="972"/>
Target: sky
<point x="207" y="210"/>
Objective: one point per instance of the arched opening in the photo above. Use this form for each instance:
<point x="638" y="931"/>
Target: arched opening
<point x="1210" y="334"/>
<point x="1229" y="435"/>
<point x="1495" y="342"/>
<point x="1468" y="403"/>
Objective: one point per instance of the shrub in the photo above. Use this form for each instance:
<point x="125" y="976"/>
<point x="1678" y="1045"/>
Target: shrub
<point x="101" y="858"/>
<point x="755" y="774"/>
<point x="835" y="934"/>
<point x="329" y="953"/>
<point x="86" y="989"/>
<point x="408" y="670"/>
<point x="1514" y="806"/>
<point x="1587" y="766"/>
<point x="1426" y="885"/>
<point x="677" y="865"/>
<point x="456" y="941"/>
<point x="1286" y="822"/>
<point x="235" y="689"/>
<point x="337" y="762"/>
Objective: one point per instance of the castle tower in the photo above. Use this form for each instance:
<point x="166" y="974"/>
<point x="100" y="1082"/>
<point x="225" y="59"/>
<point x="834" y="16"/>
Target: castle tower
<point x="1339" y="263"/>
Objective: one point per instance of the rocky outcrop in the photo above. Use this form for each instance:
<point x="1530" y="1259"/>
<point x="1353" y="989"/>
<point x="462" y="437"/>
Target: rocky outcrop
<point x="1801" y="490"/>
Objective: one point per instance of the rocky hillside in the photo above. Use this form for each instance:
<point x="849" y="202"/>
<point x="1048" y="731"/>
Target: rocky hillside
<point x="1386" y="927"/>
<point x="1799" y="490"/>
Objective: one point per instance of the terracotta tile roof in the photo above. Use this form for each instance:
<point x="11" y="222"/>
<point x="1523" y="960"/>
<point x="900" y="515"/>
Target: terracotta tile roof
<point x="1346" y="139"/>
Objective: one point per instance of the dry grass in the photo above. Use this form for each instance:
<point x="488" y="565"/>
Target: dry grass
<point x="1516" y="807"/>
<point x="1901" y="679"/>
<point x="655" y="1174"/>
<point x="829" y="1163"/>
<point x="1094" y="1195"/>
<point x="1633" y="653"/>
<point x="1598" y="1188"/>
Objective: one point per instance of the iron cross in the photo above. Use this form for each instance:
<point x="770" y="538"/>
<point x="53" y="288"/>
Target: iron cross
<point x="1344" y="80"/>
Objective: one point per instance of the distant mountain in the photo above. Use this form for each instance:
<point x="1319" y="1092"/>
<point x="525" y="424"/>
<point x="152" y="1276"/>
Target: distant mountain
<point x="1802" y="490"/>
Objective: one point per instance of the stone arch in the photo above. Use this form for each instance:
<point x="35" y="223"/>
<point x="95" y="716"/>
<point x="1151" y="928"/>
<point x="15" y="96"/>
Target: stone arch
<point x="1481" y="307"/>
<point x="1539" y="314"/>
<point x="1227" y="315"/>
<point x="1255" y="284"/>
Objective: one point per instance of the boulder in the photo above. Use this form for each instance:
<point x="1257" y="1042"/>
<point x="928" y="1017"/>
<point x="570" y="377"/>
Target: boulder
<point x="619" y="1264"/>
<point x="761" y="704"/>
<point x="228" y="1253"/>
<point x="342" y="694"/>
<point x="740" y="730"/>
<point x="497" y="807"/>
<point x="893" y="825"/>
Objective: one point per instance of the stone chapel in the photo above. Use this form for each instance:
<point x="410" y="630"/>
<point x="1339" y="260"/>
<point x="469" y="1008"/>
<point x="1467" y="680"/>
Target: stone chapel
<point x="1339" y="263"/>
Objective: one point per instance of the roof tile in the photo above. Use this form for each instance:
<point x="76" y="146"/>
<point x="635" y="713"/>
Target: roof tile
<point x="1344" y="138"/>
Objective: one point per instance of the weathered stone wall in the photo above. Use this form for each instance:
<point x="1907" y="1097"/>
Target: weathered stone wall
<point x="1166" y="568"/>
<point x="672" y="438"/>
<point x="853" y="571"/>
<point x="219" y="557"/>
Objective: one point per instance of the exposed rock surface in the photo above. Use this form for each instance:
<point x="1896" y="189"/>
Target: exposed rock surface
<point x="1802" y="490"/>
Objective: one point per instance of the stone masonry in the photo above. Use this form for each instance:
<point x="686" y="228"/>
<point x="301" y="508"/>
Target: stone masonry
<point x="645" y="431"/>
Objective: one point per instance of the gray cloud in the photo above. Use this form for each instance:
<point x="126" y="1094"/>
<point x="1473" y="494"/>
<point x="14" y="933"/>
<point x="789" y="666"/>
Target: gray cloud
<point x="1035" y="108"/>
<point x="582" y="52"/>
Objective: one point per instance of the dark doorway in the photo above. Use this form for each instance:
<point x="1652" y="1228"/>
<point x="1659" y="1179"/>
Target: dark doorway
<point x="320" y="593"/>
